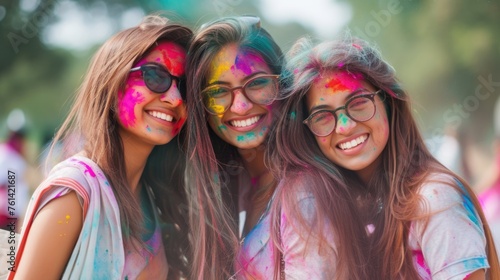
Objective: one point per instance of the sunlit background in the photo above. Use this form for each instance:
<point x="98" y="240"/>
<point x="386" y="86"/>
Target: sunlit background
<point x="446" y="53"/>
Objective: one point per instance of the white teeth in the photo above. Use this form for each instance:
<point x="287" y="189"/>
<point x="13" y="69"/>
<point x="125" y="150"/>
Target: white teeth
<point x="161" y="116"/>
<point x="245" y="123"/>
<point x="353" y="143"/>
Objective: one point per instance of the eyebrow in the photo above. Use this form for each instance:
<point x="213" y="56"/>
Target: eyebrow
<point x="358" y="91"/>
<point x="319" y="107"/>
<point x="244" y="80"/>
<point x="350" y="95"/>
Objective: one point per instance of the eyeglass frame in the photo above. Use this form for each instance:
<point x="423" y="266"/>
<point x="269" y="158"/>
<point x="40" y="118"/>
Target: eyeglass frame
<point x="242" y="88"/>
<point x="370" y="96"/>
<point x="173" y="77"/>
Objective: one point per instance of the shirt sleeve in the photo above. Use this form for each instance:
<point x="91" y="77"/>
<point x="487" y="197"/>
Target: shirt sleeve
<point x="304" y="256"/>
<point x="453" y="244"/>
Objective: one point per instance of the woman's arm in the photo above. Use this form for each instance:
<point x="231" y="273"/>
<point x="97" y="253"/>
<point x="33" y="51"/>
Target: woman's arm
<point x="51" y="239"/>
<point x="476" y="275"/>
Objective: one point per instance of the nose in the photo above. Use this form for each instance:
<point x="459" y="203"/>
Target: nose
<point x="173" y="95"/>
<point x="240" y="104"/>
<point x="344" y="124"/>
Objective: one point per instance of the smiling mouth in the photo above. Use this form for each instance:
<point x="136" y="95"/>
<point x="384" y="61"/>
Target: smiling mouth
<point x="246" y="122"/>
<point x="161" y="116"/>
<point x="353" y="143"/>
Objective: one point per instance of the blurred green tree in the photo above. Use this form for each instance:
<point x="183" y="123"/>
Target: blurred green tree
<point x="445" y="52"/>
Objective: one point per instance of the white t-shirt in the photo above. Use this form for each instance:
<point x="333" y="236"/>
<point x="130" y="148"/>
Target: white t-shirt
<point x="453" y="244"/>
<point x="450" y="247"/>
<point x="303" y="258"/>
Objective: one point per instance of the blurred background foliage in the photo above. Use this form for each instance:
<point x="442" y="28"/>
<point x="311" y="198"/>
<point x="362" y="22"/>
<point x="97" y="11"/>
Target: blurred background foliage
<point x="443" y="51"/>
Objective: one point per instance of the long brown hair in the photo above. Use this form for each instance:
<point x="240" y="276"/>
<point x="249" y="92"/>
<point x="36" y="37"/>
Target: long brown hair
<point x="215" y="164"/>
<point x="92" y="126"/>
<point x="301" y="166"/>
<point x="391" y="200"/>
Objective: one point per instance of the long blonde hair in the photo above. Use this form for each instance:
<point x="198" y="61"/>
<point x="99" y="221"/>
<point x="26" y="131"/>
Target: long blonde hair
<point x="92" y="126"/>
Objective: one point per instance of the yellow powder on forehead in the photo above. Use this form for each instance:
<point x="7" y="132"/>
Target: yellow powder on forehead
<point x="218" y="66"/>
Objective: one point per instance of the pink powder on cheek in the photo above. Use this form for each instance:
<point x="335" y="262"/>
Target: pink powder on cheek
<point x="126" y="106"/>
<point x="178" y="127"/>
<point x="343" y="81"/>
<point x="135" y="79"/>
<point x="387" y="129"/>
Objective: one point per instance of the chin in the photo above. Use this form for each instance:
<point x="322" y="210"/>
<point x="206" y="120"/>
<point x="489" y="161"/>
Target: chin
<point x="248" y="145"/>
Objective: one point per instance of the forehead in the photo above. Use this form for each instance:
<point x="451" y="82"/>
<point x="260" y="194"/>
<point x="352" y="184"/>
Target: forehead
<point x="335" y="85"/>
<point x="338" y="82"/>
<point x="232" y="59"/>
<point x="166" y="50"/>
<point x="170" y="54"/>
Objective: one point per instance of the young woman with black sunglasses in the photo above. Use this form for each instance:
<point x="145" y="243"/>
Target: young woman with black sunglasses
<point x="113" y="208"/>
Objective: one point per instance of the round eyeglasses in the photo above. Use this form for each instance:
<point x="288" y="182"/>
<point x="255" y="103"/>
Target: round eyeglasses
<point x="157" y="78"/>
<point x="360" y="108"/>
<point x="262" y="89"/>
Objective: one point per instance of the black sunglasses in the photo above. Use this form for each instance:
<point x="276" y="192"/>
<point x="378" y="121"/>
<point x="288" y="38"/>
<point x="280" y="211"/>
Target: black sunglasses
<point x="157" y="78"/>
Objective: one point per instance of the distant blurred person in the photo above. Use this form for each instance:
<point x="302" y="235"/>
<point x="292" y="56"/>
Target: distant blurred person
<point x="13" y="194"/>
<point x="450" y="151"/>
<point x="489" y="185"/>
<point x="54" y="149"/>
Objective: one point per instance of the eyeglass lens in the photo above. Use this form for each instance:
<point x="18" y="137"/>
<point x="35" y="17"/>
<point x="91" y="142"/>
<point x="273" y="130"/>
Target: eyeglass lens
<point x="360" y="109"/>
<point x="156" y="78"/>
<point x="260" y="90"/>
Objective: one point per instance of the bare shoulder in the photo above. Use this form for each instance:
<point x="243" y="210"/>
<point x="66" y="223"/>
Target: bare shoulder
<point x="51" y="238"/>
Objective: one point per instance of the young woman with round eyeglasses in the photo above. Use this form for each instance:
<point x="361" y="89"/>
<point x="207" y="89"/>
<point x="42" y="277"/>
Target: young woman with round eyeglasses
<point x="113" y="209"/>
<point x="234" y="69"/>
<point x="348" y="137"/>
